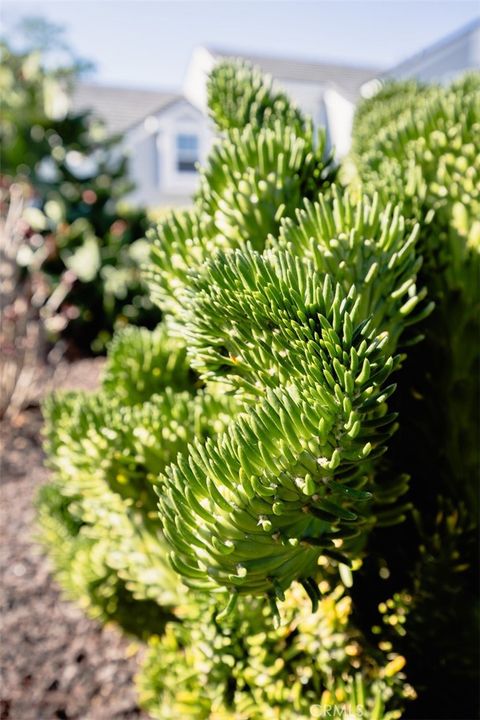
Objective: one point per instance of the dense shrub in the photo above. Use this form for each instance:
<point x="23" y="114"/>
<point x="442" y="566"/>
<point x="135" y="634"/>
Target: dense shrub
<point x="83" y="231"/>
<point x="243" y="667"/>
<point x="426" y="155"/>
<point x="319" y="514"/>
<point x="99" y="515"/>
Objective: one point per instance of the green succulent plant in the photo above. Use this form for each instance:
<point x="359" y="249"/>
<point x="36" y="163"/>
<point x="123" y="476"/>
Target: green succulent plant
<point x="256" y="175"/>
<point x="426" y="157"/>
<point x="142" y="363"/>
<point x="301" y="430"/>
<point x="292" y="476"/>
<point x="87" y="573"/>
<point x="240" y="95"/>
<point x="244" y="669"/>
<point x="98" y="517"/>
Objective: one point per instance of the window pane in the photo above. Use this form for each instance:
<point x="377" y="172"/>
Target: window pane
<point x="187" y="152"/>
<point x="187" y="142"/>
<point x="186" y="165"/>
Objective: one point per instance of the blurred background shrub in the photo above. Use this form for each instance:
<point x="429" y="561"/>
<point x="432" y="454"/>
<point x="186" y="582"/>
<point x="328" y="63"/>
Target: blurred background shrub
<point x="75" y="183"/>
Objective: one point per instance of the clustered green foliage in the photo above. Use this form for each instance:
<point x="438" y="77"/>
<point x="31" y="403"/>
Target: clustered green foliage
<point x="303" y="443"/>
<point x="98" y="516"/>
<point x="426" y="154"/>
<point x="244" y="668"/>
<point x="83" y="234"/>
<point x="257" y="175"/>
<point x="260" y="504"/>
<point x="380" y="111"/>
<point x="240" y="95"/>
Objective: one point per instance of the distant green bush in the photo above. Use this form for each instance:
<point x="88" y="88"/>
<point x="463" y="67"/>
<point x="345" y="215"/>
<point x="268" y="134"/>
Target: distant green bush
<point x="82" y="233"/>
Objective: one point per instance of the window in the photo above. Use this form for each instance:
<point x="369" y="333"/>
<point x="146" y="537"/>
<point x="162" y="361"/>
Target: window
<point x="187" y="152"/>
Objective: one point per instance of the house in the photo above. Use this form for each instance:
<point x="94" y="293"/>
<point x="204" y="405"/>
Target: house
<point x="441" y="62"/>
<point x="167" y="134"/>
<point x="164" y="136"/>
<point x="326" y="92"/>
<point x="446" y="59"/>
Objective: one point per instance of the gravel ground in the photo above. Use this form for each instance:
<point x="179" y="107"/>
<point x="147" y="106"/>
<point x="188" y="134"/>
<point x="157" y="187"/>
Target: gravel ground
<point x="55" y="663"/>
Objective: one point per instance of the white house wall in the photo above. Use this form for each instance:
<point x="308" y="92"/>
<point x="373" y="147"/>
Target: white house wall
<point x="153" y="160"/>
<point x="141" y="165"/>
<point x="195" y="82"/>
<point x="475" y="48"/>
<point x="308" y="96"/>
<point x="340" y="112"/>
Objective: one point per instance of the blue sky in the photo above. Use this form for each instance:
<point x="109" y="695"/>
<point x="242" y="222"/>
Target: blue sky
<point x="148" y="43"/>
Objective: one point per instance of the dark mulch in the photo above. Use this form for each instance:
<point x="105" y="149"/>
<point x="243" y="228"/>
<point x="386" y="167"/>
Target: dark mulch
<point x="55" y="663"/>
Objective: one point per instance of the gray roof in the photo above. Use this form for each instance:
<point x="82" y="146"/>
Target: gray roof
<point x="121" y="108"/>
<point x="466" y="30"/>
<point x="347" y="78"/>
